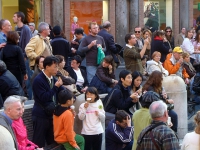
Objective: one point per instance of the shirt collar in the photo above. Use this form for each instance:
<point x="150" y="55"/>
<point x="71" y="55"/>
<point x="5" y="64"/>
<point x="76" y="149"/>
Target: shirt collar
<point x="47" y="76"/>
<point x="3" y="34"/>
<point x="8" y="118"/>
<point x="129" y="46"/>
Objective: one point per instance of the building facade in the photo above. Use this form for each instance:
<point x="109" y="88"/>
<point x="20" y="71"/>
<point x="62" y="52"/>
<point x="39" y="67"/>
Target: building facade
<point x="124" y="15"/>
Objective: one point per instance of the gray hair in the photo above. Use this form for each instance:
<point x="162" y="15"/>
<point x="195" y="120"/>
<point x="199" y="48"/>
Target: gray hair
<point x="157" y="109"/>
<point x="2" y="67"/>
<point x="42" y="26"/>
<point x="10" y="100"/>
<point x="22" y="98"/>
<point x="106" y="24"/>
<point x="2" y="22"/>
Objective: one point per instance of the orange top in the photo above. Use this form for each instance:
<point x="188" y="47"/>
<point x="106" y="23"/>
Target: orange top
<point x="171" y="68"/>
<point x="64" y="128"/>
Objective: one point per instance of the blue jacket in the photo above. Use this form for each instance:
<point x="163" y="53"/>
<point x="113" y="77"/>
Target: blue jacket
<point x="116" y="136"/>
<point x="3" y="38"/>
<point x="120" y="99"/>
<point x="43" y="94"/>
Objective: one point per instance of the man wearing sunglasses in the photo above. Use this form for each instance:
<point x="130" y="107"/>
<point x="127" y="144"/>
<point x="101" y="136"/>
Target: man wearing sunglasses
<point x="139" y="41"/>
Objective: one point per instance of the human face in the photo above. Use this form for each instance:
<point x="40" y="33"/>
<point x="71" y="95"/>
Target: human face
<point x="168" y="32"/>
<point x="132" y="41"/>
<point x="15" y="111"/>
<point x="31" y="27"/>
<point x="78" y="36"/>
<point x="187" y="59"/>
<point x="122" y="124"/>
<point x="105" y="64"/>
<point x="92" y="96"/>
<point x="127" y="81"/>
<point x="70" y="102"/>
<point x="157" y="58"/>
<point x="15" y="19"/>
<point x="146" y="35"/>
<point x="137" y="81"/>
<point x="40" y="66"/>
<point x="52" y="70"/>
<point x="7" y="26"/>
<point x="183" y="31"/>
<point x="137" y="32"/>
<point x="94" y="29"/>
<point x="177" y="56"/>
<point x="190" y="34"/>
<point x="46" y="31"/>
<point x="62" y="64"/>
<point x="74" y="64"/>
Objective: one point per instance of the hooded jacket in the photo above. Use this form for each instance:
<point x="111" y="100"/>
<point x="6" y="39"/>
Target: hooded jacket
<point x="153" y="65"/>
<point x="63" y="122"/>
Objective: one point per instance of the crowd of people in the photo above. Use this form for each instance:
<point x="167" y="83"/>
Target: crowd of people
<point x="44" y="66"/>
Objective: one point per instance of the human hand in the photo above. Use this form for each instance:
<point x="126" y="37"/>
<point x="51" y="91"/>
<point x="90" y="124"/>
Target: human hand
<point x="128" y="121"/>
<point x="110" y="67"/>
<point x="84" y="89"/>
<point x="73" y="50"/>
<point x="146" y="41"/>
<point x="25" y="77"/>
<point x="2" y="45"/>
<point x="170" y="101"/>
<point x="94" y="42"/>
<point x="99" y="45"/>
<point x="115" y="81"/>
<point x="134" y="96"/>
<point x="59" y="82"/>
<point x="86" y="105"/>
<point x="187" y="81"/>
<point x="180" y="60"/>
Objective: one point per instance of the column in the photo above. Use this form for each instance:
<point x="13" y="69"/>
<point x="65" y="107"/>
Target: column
<point x="47" y="11"/>
<point x="57" y="11"/>
<point x="122" y="26"/>
<point x="184" y="13"/>
<point x="67" y="18"/>
<point x="112" y="16"/>
<point x="134" y="14"/>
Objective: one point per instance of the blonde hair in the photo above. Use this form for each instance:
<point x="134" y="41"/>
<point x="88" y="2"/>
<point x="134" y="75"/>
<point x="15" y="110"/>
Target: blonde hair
<point x="185" y="55"/>
<point x="197" y="121"/>
<point x="92" y="23"/>
<point x="155" y="53"/>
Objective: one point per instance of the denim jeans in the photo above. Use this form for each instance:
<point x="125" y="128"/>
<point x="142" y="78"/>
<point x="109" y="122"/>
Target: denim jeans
<point x="91" y="71"/>
<point x="174" y="118"/>
<point x="28" y="82"/>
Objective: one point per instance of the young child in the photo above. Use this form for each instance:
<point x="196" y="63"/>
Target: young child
<point x="63" y="122"/>
<point x="92" y="113"/>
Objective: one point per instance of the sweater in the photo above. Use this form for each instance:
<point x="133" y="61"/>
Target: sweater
<point x="191" y="141"/>
<point x="116" y="136"/>
<point x="91" y="122"/>
<point x="63" y="123"/>
<point x="21" y="134"/>
<point x="43" y="94"/>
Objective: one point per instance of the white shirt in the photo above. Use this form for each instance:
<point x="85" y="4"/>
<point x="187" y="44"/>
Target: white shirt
<point x="92" y="124"/>
<point x="188" y="47"/>
<point x="48" y="77"/>
<point x="191" y="141"/>
<point x="129" y="46"/>
<point x="80" y="79"/>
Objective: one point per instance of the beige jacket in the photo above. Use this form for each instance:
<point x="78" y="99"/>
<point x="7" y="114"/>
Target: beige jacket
<point x="36" y="47"/>
<point x="179" y="40"/>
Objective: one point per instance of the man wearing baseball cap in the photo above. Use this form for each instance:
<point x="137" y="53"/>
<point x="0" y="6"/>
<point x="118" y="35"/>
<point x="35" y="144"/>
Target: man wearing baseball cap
<point x="173" y="64"/>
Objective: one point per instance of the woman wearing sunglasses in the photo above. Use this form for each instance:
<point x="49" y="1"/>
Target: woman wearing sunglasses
<point x="169" y="36"/>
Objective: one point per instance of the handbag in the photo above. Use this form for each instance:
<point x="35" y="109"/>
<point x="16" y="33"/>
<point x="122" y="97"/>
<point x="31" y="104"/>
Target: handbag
<point x="100" y="55"/>
<point x="170" y="106"/>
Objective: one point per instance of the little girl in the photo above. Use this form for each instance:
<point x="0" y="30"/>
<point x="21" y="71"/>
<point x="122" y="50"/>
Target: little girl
<point x="92" y="113"/>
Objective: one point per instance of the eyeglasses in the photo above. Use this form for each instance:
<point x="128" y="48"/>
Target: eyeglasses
<point x="137" y="31"/>
<point x="169" y="31"/>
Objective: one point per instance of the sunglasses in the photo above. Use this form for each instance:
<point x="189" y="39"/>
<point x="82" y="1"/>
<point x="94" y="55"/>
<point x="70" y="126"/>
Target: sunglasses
<point x="137" y="31"/>
<point x="169" y="31"/>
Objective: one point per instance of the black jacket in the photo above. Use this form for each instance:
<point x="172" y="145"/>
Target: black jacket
<point x="61" y="46"/>
<point x="9" y="85"/>
<point x="74" y="76"/>
<point x="120" y="99"/>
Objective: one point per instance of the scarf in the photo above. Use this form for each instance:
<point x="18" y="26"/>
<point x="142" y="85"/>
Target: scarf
<point x="190" y="66"/>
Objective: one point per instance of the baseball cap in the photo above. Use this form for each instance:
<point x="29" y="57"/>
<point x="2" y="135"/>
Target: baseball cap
<point x="178" y="50"/>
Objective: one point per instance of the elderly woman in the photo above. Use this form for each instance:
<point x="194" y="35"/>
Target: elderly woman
<point x="78" y="74"/>
<point x="155" y="64"/>
<point x="191" y="140"/>
<point x="13" y="57"/>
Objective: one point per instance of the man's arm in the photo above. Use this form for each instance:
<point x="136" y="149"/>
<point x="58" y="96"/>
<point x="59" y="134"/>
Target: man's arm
<point x="30" y="48"/>
<point x="172" y="69"/>
<point x="142" y="52"/>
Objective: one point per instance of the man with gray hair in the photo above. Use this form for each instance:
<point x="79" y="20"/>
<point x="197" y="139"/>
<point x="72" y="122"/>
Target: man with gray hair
<point x="158" y="135"/>
<point x="12" y="111"/>
<point x="5" y="26"/>
<point x="9" y="85"/>
<point x="39" y="45"/>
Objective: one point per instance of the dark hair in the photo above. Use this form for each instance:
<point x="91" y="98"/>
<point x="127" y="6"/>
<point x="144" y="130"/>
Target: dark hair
<point x="50" y="60"/>
<point x="188" y="30"/>
<point x="149" y="97"/>
<point x="144" y="57"/>
<point x="2" y="21"/>
<point x="135" y="74"/>
<point x="21" y="15"/>
<point x="64" y="96"/>
<point x="3" y="67"/>
<point x="94" y="91"/>
<point x="60" y="58"/>
<point x="155" y="80"/>
<point x="37" y="59"/>
<point x="12" y="37"/>
<point x="128" y="37"/>
<point x="158" y="33"/>
<point x="169" y="38"/>
<point x="121" y="115"/>
<point x="77" y="58"/>
<point x="78" y="31"/>
<point x="197" y="36"/>
<point x="123" y="74"/>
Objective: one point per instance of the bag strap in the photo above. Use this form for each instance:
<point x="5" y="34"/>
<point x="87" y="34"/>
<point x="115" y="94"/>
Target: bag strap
<point x="150" y="129"/>
<point x="153" y="140"/>
<point x="108" y="101"/>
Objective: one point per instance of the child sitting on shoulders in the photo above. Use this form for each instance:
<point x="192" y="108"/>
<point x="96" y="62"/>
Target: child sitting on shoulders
<point x="93" y="115"/>
<point x="63" y="122"/>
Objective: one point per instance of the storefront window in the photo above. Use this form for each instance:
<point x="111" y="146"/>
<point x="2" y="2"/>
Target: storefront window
<point x="31" y="9"/>
<point x="196" y="12"/>
<point x="87" y="11"/>
<point x="155" y="13"/>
